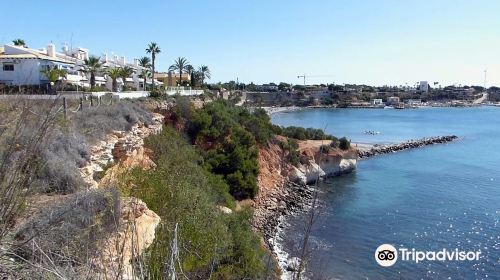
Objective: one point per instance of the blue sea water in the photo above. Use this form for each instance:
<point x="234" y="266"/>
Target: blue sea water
<point x="432" y="198"/>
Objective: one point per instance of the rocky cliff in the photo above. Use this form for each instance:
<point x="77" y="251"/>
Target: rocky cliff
<point x="110" y="158"/>
<point x="317" y="163"/>
<point x="283" y="188"/>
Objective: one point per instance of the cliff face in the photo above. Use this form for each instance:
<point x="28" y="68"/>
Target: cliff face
<point x="283" y="187"/>
<point x="315" y="164"/>
<point x="124" y="151"/>
<point x="121" y="148"/>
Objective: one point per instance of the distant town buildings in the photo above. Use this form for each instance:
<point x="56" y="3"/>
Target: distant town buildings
<point x="392" y="100"/>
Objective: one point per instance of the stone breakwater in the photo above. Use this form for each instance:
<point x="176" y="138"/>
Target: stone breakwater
<point x="386" y="149"/>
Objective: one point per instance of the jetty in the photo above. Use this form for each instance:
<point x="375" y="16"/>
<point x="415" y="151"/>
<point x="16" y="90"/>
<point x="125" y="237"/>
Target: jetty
<point x="411" y="144"/>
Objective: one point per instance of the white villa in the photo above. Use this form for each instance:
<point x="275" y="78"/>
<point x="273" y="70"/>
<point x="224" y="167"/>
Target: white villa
<point x="22" y="66"/>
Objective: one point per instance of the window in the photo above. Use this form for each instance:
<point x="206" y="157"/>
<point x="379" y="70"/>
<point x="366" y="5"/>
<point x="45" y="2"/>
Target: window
<point x="8" y="67"/>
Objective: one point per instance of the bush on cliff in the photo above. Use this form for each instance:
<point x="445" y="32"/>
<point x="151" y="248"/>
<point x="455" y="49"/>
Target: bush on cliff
<point x="291" y="146"/>
<point x="183" y="193"/>
<point x="344" y="144"/>
<point x="229" y="137"/>
<point x="301" y="133"/>
<point x="69" y="231"/>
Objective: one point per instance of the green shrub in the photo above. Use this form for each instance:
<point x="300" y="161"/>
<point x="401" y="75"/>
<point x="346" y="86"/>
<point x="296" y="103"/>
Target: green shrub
<point x="229" y="137"/>
<point x="344" y="144"/>
<point x="181" y="191"/>
<point x="71" y="229"/>
<point x="301" y="133"/>
<point x="155" y="93"/>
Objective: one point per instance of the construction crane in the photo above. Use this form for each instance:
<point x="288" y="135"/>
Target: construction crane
<point x="304" y="76"/>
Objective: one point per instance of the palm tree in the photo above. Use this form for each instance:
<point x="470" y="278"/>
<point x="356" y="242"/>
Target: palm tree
<point x="180" y="65"/>
<point x="153" y="49"/>
<point x="114" y="74"/>
<point x="145" y="62"/>
<point x="93" y="66"/>
<point x="204" y="73"/>
<point x="189" y="71"/>
<point x="19" y="42"/>
<point x="53" y="75"/>
<point x="145" y="74"/>
<point x="126" y="72"/>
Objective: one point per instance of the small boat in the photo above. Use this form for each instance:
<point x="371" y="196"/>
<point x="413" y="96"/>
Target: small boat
<point x="372" y="132"/>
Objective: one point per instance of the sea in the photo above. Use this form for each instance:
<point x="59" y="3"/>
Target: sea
<point x="430" y="199"/>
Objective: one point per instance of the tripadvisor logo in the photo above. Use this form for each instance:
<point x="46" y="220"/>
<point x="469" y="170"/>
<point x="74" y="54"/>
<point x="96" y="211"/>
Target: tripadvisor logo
<point x="387" y="255"/>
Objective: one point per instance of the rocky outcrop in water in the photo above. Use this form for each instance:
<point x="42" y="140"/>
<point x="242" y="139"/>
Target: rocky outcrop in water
<point x="386" y="149"/>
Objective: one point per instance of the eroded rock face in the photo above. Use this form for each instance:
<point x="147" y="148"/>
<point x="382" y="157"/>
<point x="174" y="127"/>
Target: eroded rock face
<point x="118" y="147"/>
<point x="316" y="164"/>
<point x="137" y="233"/>
<point x="124" y="150"/>
<point x="283" y="187"/>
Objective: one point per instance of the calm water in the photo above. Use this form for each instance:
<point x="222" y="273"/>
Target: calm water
<point x="443" y="196"/>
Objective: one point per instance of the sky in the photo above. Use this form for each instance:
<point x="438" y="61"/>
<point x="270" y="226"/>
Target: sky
<point x="377" y="42"/>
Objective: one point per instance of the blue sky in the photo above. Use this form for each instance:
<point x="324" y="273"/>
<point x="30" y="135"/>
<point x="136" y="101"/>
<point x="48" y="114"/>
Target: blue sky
<point x="372" y="42"/>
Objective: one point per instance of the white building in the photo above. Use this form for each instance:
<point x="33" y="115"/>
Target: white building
<point x="423" y="86"/>
<point x="22" y="66"/>
<point x="377" y="102"/>
<point x="392" y="100"/>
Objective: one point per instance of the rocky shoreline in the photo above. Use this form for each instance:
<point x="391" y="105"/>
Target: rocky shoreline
<point x="294" y="199"/>
<point x="386" y="149"/>
<point x="287" y="194"/>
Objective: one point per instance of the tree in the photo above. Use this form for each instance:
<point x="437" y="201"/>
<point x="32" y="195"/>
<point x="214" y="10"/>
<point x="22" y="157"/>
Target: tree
<point x="204" y="73"/>
<point x="180" y="65"/>
<point x="190" y="71"/>
<point x="93" y="66"/>
<point x="114" y="74"/>
<point x="126" y="72"/>
<point x="145" y="74"/>
<point x="344" y="144"/>
<point x="145" y="62"/>
<point x="53" y="75"/>
<point x="19" y="43"/>
<point x="153" y="49"/>
<point x="284" y="86"/>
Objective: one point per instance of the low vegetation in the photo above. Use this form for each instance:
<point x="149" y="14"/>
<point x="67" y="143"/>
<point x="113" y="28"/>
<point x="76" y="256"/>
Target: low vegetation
<point x="210" y="244"/>
<point x="301" y="133"/>
<point x="228" y="137"/>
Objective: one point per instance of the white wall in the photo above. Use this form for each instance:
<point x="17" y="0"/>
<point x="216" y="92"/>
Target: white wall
<point x="26" y="72"/>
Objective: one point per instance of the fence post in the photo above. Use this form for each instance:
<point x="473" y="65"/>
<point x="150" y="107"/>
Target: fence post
<point x="65" y="106"/>
<point x="81" y="103"/>
<point x="91" y="101"/>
